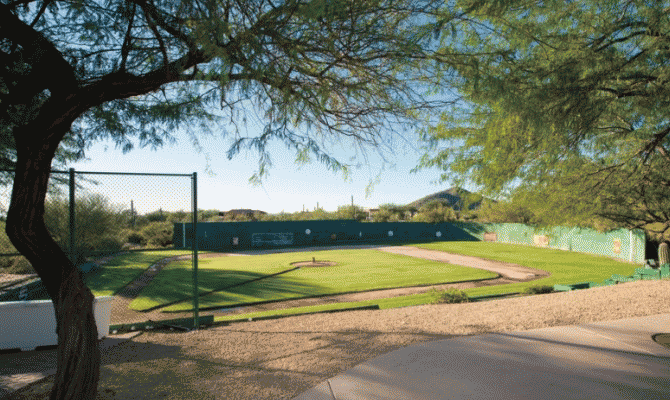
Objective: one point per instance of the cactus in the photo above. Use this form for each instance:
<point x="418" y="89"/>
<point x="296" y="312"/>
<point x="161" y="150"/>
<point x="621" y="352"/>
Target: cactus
<point x="663" y="254"/>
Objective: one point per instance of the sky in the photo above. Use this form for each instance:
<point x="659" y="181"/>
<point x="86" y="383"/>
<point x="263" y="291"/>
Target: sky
<point x="223" y="184"/>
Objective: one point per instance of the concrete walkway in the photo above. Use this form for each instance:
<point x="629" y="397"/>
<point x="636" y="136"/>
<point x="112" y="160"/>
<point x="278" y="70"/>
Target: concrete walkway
<point x="606" y="360"/>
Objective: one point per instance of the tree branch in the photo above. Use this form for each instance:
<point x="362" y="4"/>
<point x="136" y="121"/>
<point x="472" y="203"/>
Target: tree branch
<point x="127" y="41"/>
<point x="151" y="11"/>
<point x="649" y="148"/>
<point x="43" y="56"/>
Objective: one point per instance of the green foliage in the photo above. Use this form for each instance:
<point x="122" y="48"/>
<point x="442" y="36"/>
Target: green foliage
<point x="12" y="265"/>
<point x="217" y="58"/>
<point x="567" y="100"/>
<point x="539" y="289"/>
<point x="208" y="215"/>
<point x="16" y="265"/>
<point x="351" y="212"/>
<point x="434" y="212"/>
<point x="98" y="223"/>
<point x="156" y="216"/>
<point x="158" y="234"/>
<point x="448" y="296"/>
<point x="506" y="211"/>
<point x="180" y="216"/>
<point x="136" y="238"/>
<point x="389" y="212"/>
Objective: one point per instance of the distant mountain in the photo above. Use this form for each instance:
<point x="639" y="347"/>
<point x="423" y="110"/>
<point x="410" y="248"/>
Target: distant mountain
<point x="453" y="197"/>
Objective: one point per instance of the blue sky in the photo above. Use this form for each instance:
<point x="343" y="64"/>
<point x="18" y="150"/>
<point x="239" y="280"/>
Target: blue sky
<point x="226" y="185"/>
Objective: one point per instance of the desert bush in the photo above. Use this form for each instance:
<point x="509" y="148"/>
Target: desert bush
<point x="12" y="264"/>
<point x="350" y="212"/>
<point x="539" y="289"/>
<point x="16" y="265"/>
<point x="386" y="213"/>
<point x="112" y="243"/>
<point x="448" y="296"/>
<point x="156" y="216"/>
<point x="207" y="215"/>
<point x="506" y="211"/>
<point x="180" y="216"/>
<point x="434" y="212"/>
<point x="98" y="223"/>
<point x="136" y="238"/>
<point x="158" y="233"/>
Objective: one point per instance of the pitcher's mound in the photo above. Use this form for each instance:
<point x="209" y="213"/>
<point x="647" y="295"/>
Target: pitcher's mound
<point x="313" y="264"/>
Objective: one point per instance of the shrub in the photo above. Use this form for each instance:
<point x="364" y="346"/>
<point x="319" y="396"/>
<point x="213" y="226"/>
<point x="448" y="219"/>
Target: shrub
<point x="109" y="243"/>
<point x="98" y="222"/>
<point x="448" y="296"/>
<point x="539" y="289"/>
<point x="16" y="265"/>
<point x="351" y="212"/>
<point x="136" y="238"/>
<point x="158" y="233"/>
<point x="156" y="216"/>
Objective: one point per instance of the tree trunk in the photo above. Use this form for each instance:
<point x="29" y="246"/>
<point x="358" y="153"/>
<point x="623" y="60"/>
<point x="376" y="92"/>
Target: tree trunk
<point x="78" y="352"/>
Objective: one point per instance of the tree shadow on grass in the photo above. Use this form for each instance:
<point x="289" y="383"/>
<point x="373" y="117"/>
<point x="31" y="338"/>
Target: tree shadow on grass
<point x="118" y="272"/>
<point x="228" y="288"/>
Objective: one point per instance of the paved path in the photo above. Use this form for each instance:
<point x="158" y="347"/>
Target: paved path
<point x="614" y="360"/>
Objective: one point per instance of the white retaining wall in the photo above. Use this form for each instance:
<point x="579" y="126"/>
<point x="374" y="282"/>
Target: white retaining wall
<point x="29" y="324"/>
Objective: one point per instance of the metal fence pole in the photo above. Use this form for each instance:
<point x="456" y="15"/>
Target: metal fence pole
<point x="196" y="325"/>
<point x="73" y="255"/>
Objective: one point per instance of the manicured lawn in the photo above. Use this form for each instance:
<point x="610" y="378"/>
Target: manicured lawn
<point x="564" y="266"/>
<point x="356" y="270"/>
<point x="124" y="269"/>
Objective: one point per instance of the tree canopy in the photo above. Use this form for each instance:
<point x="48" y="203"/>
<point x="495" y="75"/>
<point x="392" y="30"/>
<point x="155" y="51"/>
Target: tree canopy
<point x="140" y="70"/>
<point x="565" y="99"/>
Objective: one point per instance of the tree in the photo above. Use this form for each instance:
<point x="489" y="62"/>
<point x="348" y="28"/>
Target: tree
<point x="567" y="100"/>
<point x="73" y="72"/>
<point x="351" y="211"/>
<point x="389" y="213"/>
<point x="435" y="211"/>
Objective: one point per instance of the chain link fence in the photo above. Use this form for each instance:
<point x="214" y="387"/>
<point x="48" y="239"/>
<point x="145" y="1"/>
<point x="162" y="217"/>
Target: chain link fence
<point x="118" y="232"/>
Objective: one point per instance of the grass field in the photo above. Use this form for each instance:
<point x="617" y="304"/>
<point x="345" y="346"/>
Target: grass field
<point x="356" y="271"/>
<point x="124" y="269"/>
<point x="565" y="267"/>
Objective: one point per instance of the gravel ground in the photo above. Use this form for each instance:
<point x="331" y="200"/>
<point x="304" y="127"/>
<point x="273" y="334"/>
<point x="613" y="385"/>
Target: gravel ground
<point x="279" y="359"/>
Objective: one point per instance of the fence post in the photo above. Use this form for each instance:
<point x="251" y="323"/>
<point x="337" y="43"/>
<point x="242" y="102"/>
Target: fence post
<point x="194" y="246"/>
<point x="73" y="255"/>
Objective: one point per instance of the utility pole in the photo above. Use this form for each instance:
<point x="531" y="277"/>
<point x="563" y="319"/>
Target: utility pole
<point x="353" y="211"/>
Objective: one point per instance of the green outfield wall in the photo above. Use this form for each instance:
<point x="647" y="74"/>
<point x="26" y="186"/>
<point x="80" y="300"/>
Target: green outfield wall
<point x="624" y="244"/>
<point x="233" y="236"/>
